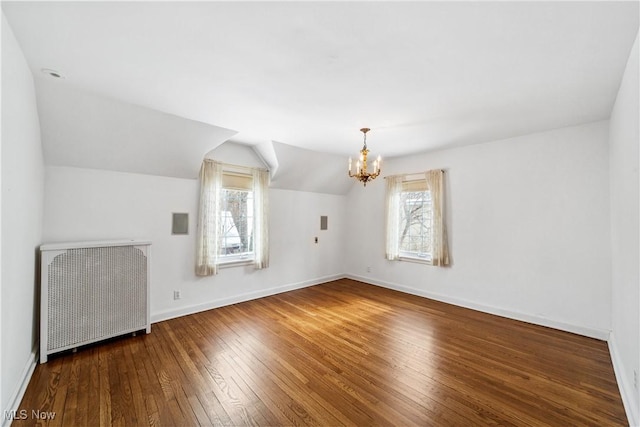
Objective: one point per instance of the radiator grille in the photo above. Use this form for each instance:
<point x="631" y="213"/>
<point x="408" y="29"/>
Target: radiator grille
<point x="95" y="293"/>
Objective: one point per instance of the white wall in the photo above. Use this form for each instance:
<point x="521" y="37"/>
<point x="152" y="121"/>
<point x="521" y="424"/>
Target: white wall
<point x="22" y="192"/>
<point x="84" y="204"/>
<point x="528" y="229"/>
<point x="624" y="137"/>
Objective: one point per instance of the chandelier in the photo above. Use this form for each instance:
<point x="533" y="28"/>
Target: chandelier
<point x="361" y="166"/>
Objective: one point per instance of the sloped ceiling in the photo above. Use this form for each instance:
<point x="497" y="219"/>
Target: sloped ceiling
<point x="308" y="170"/>
<point x="300" y="169"/>
<point x="90" y="131"/>
<point x="421" y="75"/>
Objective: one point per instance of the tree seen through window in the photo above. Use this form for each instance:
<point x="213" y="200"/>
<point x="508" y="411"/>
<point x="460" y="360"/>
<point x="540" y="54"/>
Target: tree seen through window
<point x="236" y="222"/>
<point x="416" y="217"/>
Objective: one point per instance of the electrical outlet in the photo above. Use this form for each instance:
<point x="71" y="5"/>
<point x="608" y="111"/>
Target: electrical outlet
<point x="635" y="378"/>
<point x="177" y="295"/>
<point x="368" y="269"/>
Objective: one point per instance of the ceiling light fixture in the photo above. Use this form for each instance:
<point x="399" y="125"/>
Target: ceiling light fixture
<point x="361" y="166"/>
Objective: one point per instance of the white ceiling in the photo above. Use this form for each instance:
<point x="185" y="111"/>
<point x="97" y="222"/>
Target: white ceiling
<point x="422" y="75"/>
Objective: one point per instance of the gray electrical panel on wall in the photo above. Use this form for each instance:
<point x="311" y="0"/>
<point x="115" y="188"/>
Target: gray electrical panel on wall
<point x="324" y="222"/>
<point x="180" y="223"/>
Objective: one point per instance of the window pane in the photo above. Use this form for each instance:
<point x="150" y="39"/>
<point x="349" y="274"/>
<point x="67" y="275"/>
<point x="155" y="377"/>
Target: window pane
<point x="415" y="224"/>
<point x="236" y="222"/>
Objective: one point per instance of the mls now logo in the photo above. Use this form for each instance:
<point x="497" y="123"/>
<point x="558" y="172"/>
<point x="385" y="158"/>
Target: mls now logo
<point x="16" y="415"/>
<point x="23" y="414"/>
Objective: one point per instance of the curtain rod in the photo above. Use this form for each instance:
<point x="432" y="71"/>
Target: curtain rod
<point x="234" y="165"/>
<point x="415" y="173"/>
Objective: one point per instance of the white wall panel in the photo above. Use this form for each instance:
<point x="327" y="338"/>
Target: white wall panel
<point x="85" y="204"/>
<point x="528" y="228"/>
<point x="624" y="137"/>
<point x="22" y="194"/>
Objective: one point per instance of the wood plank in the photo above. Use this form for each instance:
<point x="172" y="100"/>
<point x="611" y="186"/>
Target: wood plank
<point x="341" y="353"/>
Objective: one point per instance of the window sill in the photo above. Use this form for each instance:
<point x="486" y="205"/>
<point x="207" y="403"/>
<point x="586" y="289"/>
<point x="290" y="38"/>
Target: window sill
<point x="235" y="263"/>
<point x="416" y="260"/>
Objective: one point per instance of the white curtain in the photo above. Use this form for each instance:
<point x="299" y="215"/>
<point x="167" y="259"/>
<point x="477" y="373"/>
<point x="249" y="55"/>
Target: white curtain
<point x="261" y="217"/>
<point x="439" y="246"/>
<point x="394" y="188"/>
<point x="208" y="237"/>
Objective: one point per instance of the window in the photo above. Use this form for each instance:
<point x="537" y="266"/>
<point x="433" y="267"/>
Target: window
<point x="415" y="225"/>
<point x="235" y="218"/>
<point x="232" y="225"/>
<point x="236" y="224"/>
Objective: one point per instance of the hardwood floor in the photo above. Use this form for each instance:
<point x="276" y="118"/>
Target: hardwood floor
<point x="341" y="353"/>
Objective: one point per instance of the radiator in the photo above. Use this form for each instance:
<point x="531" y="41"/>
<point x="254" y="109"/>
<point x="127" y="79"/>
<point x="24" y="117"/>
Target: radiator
<point x="91" y="291"/>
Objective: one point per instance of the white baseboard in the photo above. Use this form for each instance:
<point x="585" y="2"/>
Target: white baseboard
<point x="184" y="311"/>
<point x="16" y="397"/>
<point x="624" y="384"/>
<point x="600" y="334"/>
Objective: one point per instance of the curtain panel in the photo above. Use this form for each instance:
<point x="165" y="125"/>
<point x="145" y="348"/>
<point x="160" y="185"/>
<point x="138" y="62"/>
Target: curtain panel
<point x="208" y="239"/>
<point x="261" y="217"/>
<point x="440" y="247"/>
<point x="394" y="188"/>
